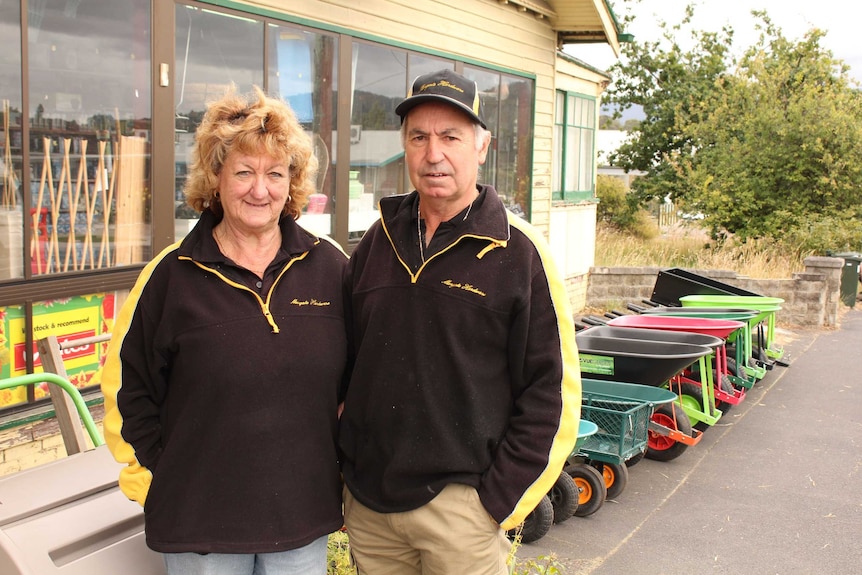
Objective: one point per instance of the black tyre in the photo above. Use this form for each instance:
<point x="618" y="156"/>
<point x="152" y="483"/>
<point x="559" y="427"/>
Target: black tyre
<point x="635" y="459"/>
<point x="731" y="366"/>
<point x="538" y="522"/>
<point x="691" y="396"/>
<point x="726" y="387"/>
<point x="616" y="477"/>
<point x="661" y="447"/>
<point x="564" y="497"/>
<point x="725" y="383"/>
<point x="733" y="369"/>
<point x="591" y="488"/>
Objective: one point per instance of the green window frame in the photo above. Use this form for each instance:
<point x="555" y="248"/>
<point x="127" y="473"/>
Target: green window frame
<point x="574" y="147"/>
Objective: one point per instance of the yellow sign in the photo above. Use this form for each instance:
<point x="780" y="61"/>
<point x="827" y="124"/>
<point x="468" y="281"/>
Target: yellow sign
<point x="67" y="319"/>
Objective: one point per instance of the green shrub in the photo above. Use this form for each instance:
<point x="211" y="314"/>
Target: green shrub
<point x="825" y="235"/>
<point x="338" y="555"/>
<point x="611" y="193"/>
<point x="620" y="210"/>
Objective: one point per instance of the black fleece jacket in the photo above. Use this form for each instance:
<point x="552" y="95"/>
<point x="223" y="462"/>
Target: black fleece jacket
<point x="465" y="371"/>
<point x="221" y="397"/>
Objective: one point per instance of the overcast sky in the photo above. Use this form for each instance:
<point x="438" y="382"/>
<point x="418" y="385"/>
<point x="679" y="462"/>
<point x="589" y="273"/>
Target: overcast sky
<point x="841" y="19"/>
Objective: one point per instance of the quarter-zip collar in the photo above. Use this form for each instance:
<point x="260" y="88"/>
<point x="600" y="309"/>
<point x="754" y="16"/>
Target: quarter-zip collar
<point x="488" y="222"/>
<point x="200" y="247"/>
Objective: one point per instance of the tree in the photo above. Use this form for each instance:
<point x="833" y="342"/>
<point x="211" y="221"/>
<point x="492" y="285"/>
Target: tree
<point x="667" y="83"/>
<point x="769" y="145"/>
<point x="778" y="143"/>
<point x="607" y="122"/>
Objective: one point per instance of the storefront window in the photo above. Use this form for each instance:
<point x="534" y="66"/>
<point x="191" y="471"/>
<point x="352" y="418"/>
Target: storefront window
<point x="89" y="114"/>
<point x="212" y="51"/>
<point x="303" y="69"/>
<point x="508" y="104"/>
<point x="76" y="118"/>
<point x="376" y="155"/>
<point x="11" y="208"/>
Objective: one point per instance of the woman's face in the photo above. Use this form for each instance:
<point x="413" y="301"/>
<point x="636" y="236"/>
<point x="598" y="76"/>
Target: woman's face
<point x="253" y="191"/>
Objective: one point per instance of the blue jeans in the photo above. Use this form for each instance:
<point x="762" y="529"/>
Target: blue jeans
<point x="308" y="560"/>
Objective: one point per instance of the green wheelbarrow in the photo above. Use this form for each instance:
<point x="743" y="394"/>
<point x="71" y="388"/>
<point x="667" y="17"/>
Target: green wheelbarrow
<point x="766" y="307"/>
<point x="621" y="412"/>
<point x="744" y="372"/>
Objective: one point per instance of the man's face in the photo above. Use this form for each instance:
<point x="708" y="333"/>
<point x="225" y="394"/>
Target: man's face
<point x="442" y="154"/>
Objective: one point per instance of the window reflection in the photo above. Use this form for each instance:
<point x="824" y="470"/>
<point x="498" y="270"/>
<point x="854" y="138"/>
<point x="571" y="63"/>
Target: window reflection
<point x="376" y="155"/>
<point x="212" y="51"/>
<point x="81" y="324"/>
<point x="303" y="71"/>
<point x="508" y="104"/>
<point x="11" y="205"/>
<point x="89" y="108"/>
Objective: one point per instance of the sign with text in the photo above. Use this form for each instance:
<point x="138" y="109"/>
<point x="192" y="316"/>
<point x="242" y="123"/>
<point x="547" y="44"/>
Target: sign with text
<point x="67" y="319"/>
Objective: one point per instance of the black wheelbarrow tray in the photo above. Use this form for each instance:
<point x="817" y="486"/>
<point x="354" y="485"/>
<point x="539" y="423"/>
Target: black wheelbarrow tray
<point x="651" y="363"/>
<point x="714" y="388"/>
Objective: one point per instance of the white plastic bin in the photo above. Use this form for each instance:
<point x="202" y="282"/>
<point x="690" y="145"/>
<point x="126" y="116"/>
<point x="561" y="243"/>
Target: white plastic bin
<point x="69" y="517"/>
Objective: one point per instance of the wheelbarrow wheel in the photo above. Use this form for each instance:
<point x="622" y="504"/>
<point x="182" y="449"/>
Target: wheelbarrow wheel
<point x="537" y="524"/>
<point x="733" y="369"/>
<point x="661" y="447"/>
<point x="635" y="459"/>
<point x="564" y="497"/>
<point x="691" y="396"/>
<point x="726" y="387"/>
<point x="591" y="488"/>
<point x="616" y="477"/>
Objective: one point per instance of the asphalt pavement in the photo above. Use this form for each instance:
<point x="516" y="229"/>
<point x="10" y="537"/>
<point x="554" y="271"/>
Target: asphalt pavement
<point x="775" y="487"/>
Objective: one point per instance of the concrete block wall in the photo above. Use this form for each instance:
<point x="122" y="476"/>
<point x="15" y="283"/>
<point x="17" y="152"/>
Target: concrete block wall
<point x="811" y="298"/>
<point x="576" y="288"/>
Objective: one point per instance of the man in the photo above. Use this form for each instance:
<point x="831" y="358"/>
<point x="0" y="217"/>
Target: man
<point x="464" y="399"/>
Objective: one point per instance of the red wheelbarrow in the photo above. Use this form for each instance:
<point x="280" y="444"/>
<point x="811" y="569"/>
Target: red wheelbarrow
<point x="702" y="399"/>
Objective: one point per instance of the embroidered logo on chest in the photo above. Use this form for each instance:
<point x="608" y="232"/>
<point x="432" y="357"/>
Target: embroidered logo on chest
<point x="311" y="302"/>
<point x="452" y="284"/>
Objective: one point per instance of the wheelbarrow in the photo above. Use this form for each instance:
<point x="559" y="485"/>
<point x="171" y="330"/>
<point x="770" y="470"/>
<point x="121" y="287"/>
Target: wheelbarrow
<point x="68" y="388"/>
<point x="697" y="398"/>
<point x="672" y="284"/>
<point x="724" y="391"/>
<point x="743" y="370"/>
<point x="560" y="503"/>
<point x="766" y="307"/>
<point x="622" y="412"/>
<point x="651" y="363"/>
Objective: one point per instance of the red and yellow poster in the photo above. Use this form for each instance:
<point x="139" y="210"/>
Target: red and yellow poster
<point x="67" y="319"/>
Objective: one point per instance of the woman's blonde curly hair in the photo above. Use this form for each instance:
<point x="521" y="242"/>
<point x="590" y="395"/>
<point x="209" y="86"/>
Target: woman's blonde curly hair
<point x="266" y="125"/>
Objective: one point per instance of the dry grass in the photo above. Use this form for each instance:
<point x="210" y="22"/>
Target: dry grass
<point x="686" y="246"/>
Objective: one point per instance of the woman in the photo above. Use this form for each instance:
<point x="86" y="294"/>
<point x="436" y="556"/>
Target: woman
<point x="223" y="376"/>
